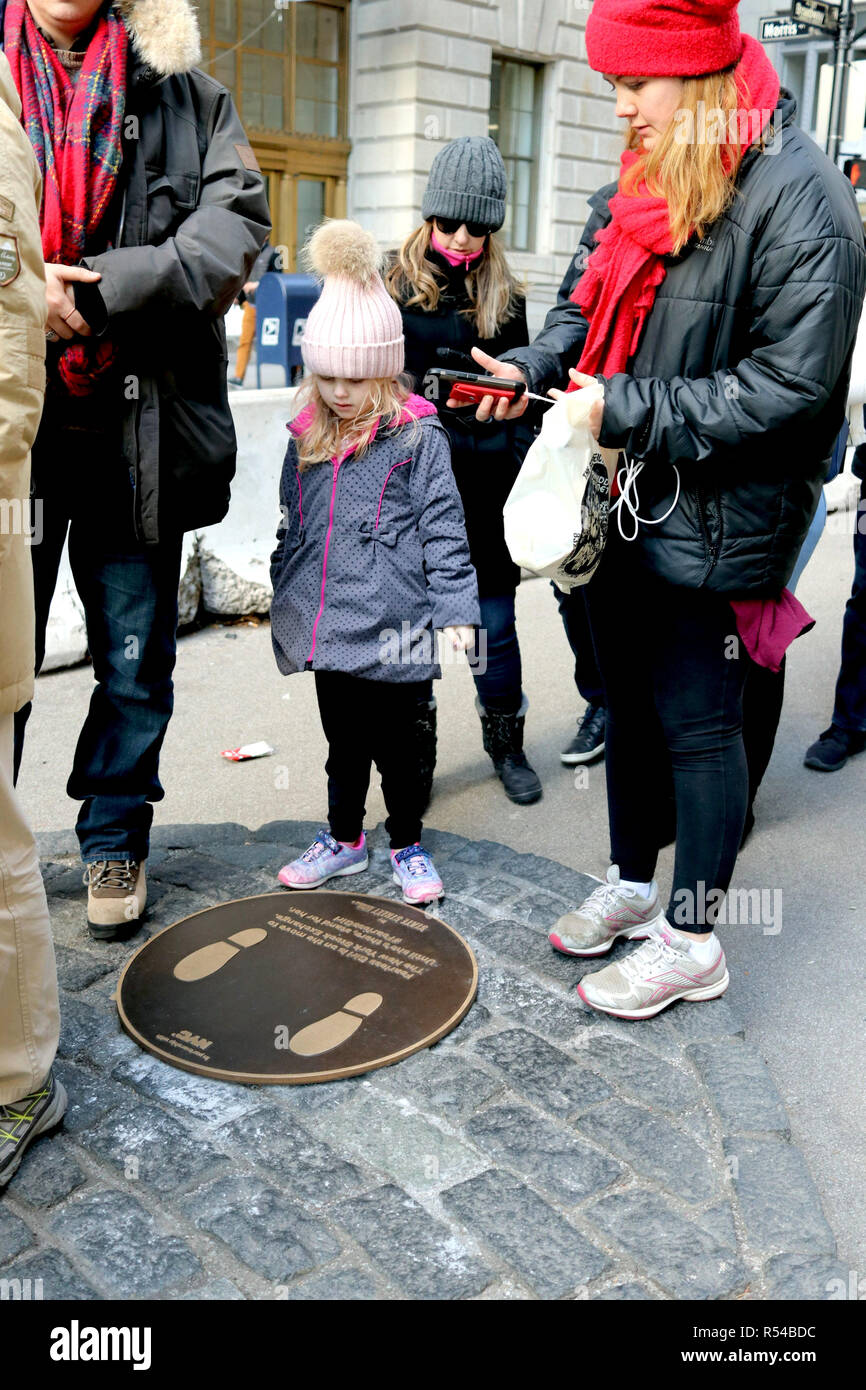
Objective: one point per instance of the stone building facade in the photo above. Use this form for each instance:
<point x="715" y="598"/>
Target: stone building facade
<point x="422" y="74"/>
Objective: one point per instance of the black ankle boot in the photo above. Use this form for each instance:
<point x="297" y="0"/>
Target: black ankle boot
<point x="502" y="735"/>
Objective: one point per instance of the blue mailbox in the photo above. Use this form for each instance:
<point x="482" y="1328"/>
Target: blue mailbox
<point x="282" y="305"/>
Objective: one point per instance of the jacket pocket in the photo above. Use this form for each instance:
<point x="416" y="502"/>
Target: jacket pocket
<point x="170" y="199"/>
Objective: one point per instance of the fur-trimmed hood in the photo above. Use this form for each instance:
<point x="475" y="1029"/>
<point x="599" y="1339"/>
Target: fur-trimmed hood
<point x="163" y="33"/>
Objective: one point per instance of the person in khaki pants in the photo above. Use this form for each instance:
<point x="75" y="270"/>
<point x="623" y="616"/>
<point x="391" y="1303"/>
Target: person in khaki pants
<point x="31" y="1100"/>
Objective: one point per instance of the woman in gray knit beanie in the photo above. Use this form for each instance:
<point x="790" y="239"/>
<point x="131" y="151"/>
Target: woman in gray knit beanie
<point x="455" y="289"/>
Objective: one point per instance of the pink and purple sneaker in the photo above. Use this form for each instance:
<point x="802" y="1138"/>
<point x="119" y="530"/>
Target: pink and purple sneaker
<point x="326" y="858"/>
<point x="415" y="873"/>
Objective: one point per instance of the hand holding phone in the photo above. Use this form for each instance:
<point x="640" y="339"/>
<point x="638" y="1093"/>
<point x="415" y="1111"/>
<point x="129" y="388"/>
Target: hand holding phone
<point x="469" y="388"/>
<point x="501" y="407"/>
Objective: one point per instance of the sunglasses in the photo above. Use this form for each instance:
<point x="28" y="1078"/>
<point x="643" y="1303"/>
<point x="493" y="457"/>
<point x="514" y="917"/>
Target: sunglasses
<point x="450" y="225"/>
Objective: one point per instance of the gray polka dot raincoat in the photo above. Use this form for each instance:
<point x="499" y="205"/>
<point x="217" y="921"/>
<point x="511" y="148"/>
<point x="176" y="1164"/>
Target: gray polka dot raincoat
<point x="372" y="556"/>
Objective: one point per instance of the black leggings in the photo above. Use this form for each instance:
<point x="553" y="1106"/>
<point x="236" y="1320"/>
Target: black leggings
<point x="673" y="674"/>
<point x="368" y="722"/>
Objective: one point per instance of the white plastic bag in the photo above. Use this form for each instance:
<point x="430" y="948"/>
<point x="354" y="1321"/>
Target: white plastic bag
<point x="556" y="514"/>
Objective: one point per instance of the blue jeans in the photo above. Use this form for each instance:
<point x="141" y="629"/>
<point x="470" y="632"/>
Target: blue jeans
<point x="849" y="712"/>
<point x="499" y="686"/>
<point x="129" y="595"/>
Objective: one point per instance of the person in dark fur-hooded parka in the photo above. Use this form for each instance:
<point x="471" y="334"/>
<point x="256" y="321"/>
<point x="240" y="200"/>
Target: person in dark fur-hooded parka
<point x="152" y="215"/>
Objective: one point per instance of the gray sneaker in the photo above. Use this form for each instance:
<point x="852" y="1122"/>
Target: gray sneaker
<point x="23" y="1120"/>
<point x="609" y="912"/>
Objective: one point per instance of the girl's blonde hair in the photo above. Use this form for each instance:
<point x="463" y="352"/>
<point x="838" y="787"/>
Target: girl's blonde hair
<point x="494" y="291"/>
<point x="327" y="435"/>
<point x="695" y="162"/>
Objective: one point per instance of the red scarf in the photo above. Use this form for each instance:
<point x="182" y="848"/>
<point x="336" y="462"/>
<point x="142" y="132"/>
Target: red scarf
<point x="76" y="132"/>
<point x="618" y="287"/>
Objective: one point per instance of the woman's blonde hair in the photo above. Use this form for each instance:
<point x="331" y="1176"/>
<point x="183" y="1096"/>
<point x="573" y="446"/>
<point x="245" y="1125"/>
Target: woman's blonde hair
<point x="494" y="291"/>
<point x="327" y="435"/>
<point x="695" y="162"/>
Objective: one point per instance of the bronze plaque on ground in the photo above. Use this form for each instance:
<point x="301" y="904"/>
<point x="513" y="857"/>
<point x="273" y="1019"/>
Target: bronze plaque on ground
<point x="296" y="987"/>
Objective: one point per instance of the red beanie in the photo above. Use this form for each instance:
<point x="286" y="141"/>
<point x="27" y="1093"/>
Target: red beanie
<point x="663" y="38"/>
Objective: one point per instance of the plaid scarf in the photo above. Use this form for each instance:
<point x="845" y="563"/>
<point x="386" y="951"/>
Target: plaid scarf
<point x="75" y="130"/>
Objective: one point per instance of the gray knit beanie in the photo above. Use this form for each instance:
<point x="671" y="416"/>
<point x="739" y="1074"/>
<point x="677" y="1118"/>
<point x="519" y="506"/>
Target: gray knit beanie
<point x="467" y="180"/>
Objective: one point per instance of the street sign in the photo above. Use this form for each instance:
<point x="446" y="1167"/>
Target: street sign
<point x="815" y="14"/>
<point x="774" y="28"/>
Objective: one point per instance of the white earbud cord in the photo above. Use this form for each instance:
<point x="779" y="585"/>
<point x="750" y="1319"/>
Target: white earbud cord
<point x="628" y="498"/>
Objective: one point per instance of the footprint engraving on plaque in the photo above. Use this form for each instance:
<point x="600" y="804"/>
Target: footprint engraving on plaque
<point x="207" y="960"/>
<point x="337" y="1028"/>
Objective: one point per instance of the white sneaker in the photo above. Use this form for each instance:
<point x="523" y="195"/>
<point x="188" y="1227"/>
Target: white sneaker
<point x="654" y="976"/>
<point x="610" y="911"/>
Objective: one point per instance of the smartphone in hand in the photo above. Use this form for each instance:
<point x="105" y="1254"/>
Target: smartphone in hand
<point x="468" y="388"/>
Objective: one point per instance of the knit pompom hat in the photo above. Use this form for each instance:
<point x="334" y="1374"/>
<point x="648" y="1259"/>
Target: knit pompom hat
<point x="354" y="330"/>
<point x="663" y="38"/>
<point x="467" y="181"/>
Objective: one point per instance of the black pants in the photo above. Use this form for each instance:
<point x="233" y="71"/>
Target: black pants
<point x="368" y="722"/>
<point x="575" y="620"/>
<point x="674" y="687"/>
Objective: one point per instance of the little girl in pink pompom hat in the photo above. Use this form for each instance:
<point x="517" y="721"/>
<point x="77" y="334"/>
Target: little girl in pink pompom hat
<point x="371" y="560"/>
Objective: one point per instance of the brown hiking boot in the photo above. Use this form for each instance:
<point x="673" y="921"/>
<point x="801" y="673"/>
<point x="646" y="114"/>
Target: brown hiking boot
<point x="116" y="895"/>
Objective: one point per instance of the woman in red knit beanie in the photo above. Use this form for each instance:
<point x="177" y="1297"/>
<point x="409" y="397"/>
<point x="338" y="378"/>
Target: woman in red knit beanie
<point x="715" y="293"/>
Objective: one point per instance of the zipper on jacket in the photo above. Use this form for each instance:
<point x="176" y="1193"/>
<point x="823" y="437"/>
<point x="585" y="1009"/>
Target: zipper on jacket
<point x="325" y="557"/>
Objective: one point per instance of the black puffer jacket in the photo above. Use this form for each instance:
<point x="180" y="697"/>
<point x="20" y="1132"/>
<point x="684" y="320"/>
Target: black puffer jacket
<point x="485" y="458"/>
<point x="741" y="374"/>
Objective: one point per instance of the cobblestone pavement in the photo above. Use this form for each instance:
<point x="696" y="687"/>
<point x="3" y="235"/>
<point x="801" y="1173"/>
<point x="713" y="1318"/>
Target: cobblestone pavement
<point x="540" y="1151"/>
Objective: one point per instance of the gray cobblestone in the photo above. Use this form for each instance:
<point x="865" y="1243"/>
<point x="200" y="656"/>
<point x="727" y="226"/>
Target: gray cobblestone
<point x="15" y="1236"/>
<point x="677" y="1254"/>
<point x="527" y="1002"/>
<point x="640" y="1073"/>
<point x="652" y="1147"/>
<point x="529" y="947"/>
<point x="138" y="1259"/>
<point x="477" y="1017"/>
<point x="86" y="1032"/>
<point x="218" y="1102"/>
<point x="78" y="969"/>
<point x="194" y="836"/>
<point x="816" y="1278"/>
<point x="436" y="1123"/>
<point x="387" y="1136"/>
<point x="554" y="1159"/>
<point x="146" y="1145"/>
<point x="339" y="1286"/>
<point x="712" y="1018"/>
<point x="60" y="1280"/>
<point x="272" y="1139"/>
<point x="49" y="1174"/>
<point x="420" y="1255"/>
<point x="545" y="1249"/>
<point x="778" y="1201"/>
<point x="622" y="1293"/>
<point x="543" y="1073"/>
<point x="740" y="1087"/>
<point x="217" y="1290"/>
<point x="446" y="1084"/>
<point x="275" y="1237"/>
